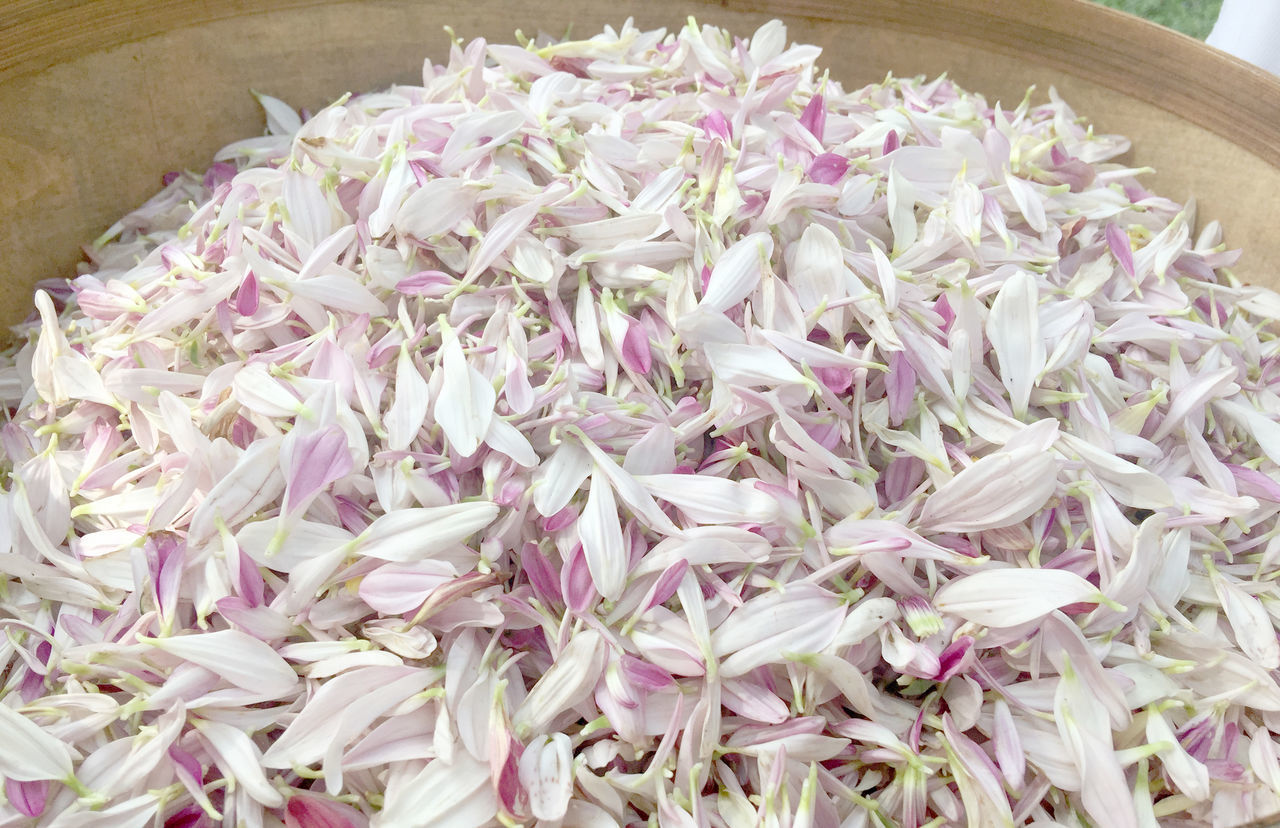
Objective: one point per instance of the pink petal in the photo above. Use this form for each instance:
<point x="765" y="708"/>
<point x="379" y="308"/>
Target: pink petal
<point x="394" y="588"/>
<point x="635" y="348"/>
<point x="714" y="124"/>
<point x="541" y="576"/>
<point x="666" y="584"/>
<point x="1118" y="242"/>
<point x="648" y="676"/>
<point x="900" y="383"/>
<point x="814" y="116"/>
<point x="192" y="816"/>
<point x="575" y="582"/>
<point x="892" y="141"/>
<point x="828" y="168"/>
<point x="29" y="797"/>
<point x="166" y="558"/>
<point x="247" y="295"/>
<point x="955" y="657"/>
<point x="312" y="811"/>
<point x="433" y="284"/>
<point x="318" y="459"/>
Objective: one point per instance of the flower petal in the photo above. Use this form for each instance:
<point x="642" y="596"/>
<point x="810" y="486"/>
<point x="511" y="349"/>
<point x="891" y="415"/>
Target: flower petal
<point x="27" y="752"/>
<point x="416" y="534"/>
<point x="737" y="272"/>
<point x="1009" y="596"/>
<point x="241" y="659"/>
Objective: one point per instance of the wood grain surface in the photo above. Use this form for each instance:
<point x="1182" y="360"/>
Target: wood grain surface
<point x="98" y="98"/>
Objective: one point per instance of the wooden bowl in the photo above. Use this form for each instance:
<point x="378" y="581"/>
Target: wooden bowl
<point x="99" y="98"/>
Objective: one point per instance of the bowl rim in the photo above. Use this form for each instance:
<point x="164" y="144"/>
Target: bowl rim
<point x="1176" y="73"/>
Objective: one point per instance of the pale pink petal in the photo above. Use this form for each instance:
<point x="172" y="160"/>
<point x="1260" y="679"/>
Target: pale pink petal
<point x="1010" y="596"/>
<point x="27" y="752"/>
<point x="28" y="797"/>
<point x="546" y="772"/>
<point x="304" y="810"/>
<point x="239" y="758"/>
<point x="314" y="461"/>
<point x="814" y="116"/>
<point x="570" y="680"/>
<point x="737" y="272"/>
<point x="1002" y="488"/>
<point x="418" y="534"/>
<point x="828" y="168"/>
<point x="1013" y="329"/>
<point x="603" y="547"/>
<point x="239" y="658"/>
<point x="464" y="406"/>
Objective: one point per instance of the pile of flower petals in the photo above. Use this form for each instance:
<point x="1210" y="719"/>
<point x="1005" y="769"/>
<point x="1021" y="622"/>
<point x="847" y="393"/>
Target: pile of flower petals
<point x="645" y="429"/>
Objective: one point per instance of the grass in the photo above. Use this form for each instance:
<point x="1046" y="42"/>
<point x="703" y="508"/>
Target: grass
<point x="1193" y="17"/>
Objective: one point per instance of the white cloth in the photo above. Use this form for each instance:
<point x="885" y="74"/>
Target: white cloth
<point x="1249" y="29"/>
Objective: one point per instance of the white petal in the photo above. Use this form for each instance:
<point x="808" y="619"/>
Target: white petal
<point x="603" y="546"/>
<point x="131" y="813"/>
<point x="505" y="230"/>
<point x="1263" y="759"/>
<point x="27" y="752"/>
<point x="255" y="481"/>
<point x="239" y="658"/>
<point x="408" y="410"/>
<point x="464" y="406"/>
<point x="77" y="379"/>
<point x="337" y="291"/>
<point x="1029" y="202"/>
<point x="631" y="493"/>
<point x="797" y="621"/>
<point x="658" y="192"/>
<point x="546" y="772"/>
<point x="556" y="480"/>
<point x="1104" y="791"/>
<point x="532" y="260"/>
<point x="707" y="499"/>
<point x="864" y="620"/>
<point x="327" y="251"/>
<point x="586" y="322"/>
<point x="737" y="272"/>
<point x="1254" y="630"/>
<point x="341" y="708"/>
<point x="817" y="271"/>
<point x="1011" y="596"/>
<point x="548" y="90"/>
<point x="610" y="232"/>
<point x="397" y="182"/>
<point x="1001" y="489"/>
<point x="308" y="211"/>
<point x="572" y="677"/>
<point x="1127" y="482"/>
<point x="768" y="42"/>
<point x="263" y="394"/>
<point x="654" y="453"/>
<point x="901" y="200"/>
<point x="281" y="118"/>
<point x="1013" y="328"/>
<point x="415" y="534"/>
<point x="238" y="757"/>
<point x="750" y="365"/>
<point x="1191" y="776"/>
<point x="1262" y="428"/>
<point x="457" y="794"/>
<point x="436" y="207"/>
<point x="506" y="439"/>
<point x="283" y="545"/>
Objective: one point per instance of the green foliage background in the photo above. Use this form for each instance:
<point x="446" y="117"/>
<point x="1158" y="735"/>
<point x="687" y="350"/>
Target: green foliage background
<point x="1193" y="17"/>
